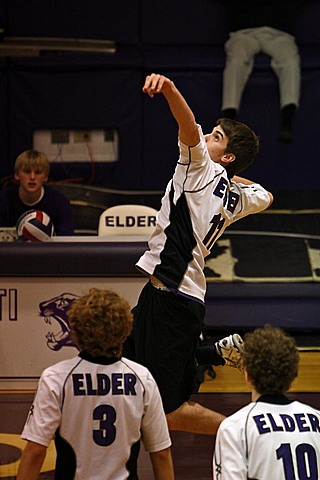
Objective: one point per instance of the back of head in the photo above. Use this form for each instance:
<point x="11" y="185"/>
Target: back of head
<point x="32" y="159"/>
<point x="271" y="360"/>
<point x="242" y="142"/>
<point x="100" y="322"/>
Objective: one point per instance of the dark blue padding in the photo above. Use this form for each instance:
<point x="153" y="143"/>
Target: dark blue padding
<point x="71" y="259"/>
<point x="137" y="21"/>
<point x="204" y="23"/>
<point x="178" y="36"/>
<point x="307" y="30"/>
<point x="293" y="306"/>
<point x="229" y="306"/>
<point x="169" y="22"/>
<point x="95" y="19"/>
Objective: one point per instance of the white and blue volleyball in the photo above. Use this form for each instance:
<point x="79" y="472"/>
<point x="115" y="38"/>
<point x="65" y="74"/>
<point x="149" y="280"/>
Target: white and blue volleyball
<point x="34" y="226"/>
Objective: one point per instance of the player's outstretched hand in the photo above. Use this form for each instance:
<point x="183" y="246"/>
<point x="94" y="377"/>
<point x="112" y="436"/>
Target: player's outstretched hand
<point x="155" y="83"/>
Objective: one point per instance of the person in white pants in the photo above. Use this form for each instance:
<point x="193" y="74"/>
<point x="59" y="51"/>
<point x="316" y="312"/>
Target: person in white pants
<point x="262" y="26"/>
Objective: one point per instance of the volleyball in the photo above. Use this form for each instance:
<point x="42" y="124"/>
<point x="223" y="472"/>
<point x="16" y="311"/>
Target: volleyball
<point x="34" y="226"/>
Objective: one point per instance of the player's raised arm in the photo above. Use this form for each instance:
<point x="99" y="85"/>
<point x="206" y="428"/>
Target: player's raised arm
<point x="188" y="130"/>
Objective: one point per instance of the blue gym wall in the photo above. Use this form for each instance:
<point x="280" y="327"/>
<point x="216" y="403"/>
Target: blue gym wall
<point x="183" y="40"/>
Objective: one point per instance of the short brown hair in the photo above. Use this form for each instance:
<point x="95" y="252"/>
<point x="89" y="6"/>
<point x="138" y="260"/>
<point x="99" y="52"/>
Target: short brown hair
<point x="271" y="360"/>
<point x="242" y="142"/>
<point x="100" y="322"/>
<point x="32" y="159"/>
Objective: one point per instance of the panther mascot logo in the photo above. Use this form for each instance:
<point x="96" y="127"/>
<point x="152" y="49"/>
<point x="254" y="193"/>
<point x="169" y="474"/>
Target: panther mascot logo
<point x="57" y="308"/>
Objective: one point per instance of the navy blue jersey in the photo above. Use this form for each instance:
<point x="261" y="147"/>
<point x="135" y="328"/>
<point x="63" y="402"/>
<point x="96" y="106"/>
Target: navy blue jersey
<point x="53" y="203"/>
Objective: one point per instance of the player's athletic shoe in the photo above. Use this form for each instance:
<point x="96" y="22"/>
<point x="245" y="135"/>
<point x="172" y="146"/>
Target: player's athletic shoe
<point x="230" y="349"/>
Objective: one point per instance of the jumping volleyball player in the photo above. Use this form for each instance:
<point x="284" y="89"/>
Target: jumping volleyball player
<point x="202" y="199"/>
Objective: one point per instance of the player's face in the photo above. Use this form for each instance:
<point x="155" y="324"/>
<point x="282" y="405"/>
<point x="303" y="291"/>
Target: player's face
<point x="217" y="142"/>
<point x="30" y="180"/>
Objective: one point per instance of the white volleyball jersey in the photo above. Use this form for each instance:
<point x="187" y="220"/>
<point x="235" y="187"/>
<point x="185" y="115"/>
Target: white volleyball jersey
<point x="269" y="441"/>
<point x="199" y="203"/>
<point x="97" y="414"/>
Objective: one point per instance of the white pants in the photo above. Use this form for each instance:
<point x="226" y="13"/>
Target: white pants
<point x="241" y="48"/>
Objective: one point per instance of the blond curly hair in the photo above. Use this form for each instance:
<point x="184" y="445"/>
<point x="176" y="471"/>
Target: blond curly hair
<point x="100" y="322"/>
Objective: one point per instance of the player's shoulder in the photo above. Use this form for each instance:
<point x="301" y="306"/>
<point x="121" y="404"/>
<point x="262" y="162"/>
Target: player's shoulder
<point x="61" y="368"/>
<point x="305" y="407"/>
<point x="238" y="418"/>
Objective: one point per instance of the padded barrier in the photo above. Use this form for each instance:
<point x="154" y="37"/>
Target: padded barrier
<point x="289" y="305"/>
<point x="292" y="306"/>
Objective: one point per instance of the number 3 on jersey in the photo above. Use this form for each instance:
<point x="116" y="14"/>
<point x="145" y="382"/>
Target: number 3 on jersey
<point x="106" y="434"/>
